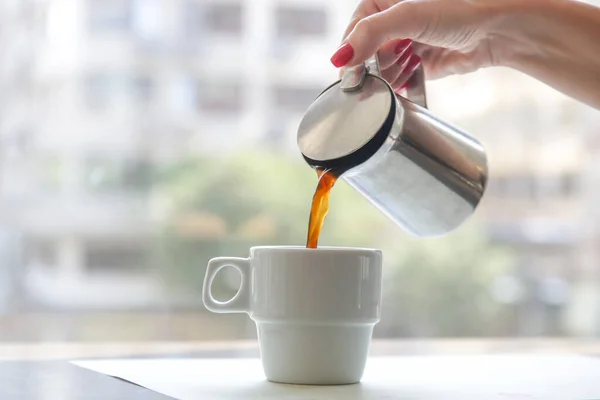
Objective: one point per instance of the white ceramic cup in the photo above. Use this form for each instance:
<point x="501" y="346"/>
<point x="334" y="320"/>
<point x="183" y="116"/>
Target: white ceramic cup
<point x="314" y="309"/>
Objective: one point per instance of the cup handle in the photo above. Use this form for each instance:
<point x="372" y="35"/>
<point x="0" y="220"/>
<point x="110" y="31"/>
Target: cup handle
<point x="241" y="301"/>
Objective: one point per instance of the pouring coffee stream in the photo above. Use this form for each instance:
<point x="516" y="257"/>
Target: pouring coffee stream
<point x="320" y="206"/>
<point x="423" y="173"/>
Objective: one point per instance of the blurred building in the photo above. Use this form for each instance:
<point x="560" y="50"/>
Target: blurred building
<point x="542" y="192"/>
<point x="98" y="93"/>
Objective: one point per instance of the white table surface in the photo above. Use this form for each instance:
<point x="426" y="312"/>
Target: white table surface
<point x="505" y="377"/>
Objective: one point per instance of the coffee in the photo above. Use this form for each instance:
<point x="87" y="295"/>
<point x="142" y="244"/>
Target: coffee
<point x="320" y="205"/>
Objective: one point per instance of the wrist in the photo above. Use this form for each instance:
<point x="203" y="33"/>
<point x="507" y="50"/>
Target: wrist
<point x="554" y="41"/>
<point x="521" y="29"/>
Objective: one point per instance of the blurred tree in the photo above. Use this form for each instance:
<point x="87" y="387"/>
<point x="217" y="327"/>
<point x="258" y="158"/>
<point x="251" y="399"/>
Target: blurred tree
<point x="442" y="286"/>
<point x="224" y="206"/>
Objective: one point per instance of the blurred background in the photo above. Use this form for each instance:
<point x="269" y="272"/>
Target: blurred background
<point x="139" y="138"/>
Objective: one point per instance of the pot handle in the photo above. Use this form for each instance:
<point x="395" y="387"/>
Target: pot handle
<point x="353" y="79"/>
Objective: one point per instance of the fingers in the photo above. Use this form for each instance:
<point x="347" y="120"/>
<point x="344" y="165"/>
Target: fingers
<point x="363" y="10"/>
<point x="404" y="76"/>
<point x="391" y="73"/>
<point x="392" y="55"/>
<point x="345" y="52"/>
<point x="371" y="32"/>
<point x="390" y="52"/>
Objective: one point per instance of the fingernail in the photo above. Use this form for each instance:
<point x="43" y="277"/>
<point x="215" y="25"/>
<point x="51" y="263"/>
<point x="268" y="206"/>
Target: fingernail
<point x="404" y="57"/>
<point x="402" y="45"/>
<point x="342" y="55"/>
<point x="401" y="88"/>
<point x="413" y="63"/>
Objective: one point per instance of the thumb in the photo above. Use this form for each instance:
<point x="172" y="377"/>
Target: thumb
<point x="405" y="20"/>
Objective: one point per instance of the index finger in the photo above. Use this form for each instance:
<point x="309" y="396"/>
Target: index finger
<point x="364" y="9"/>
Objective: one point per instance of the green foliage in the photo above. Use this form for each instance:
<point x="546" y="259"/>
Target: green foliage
<point x="432" y="286"/>
<point x="242" y="187"/>
<point x="442" y="286"/>
<point x="206" y="186"/>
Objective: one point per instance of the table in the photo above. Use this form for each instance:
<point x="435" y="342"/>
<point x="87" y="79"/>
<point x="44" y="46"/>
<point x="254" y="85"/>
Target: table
<point x="31" y="370"/>
<point x="41" y="380"/>
<point x="472" y="377"/>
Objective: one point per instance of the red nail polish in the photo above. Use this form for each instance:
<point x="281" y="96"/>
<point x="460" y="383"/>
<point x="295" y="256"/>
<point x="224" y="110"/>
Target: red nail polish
<point x="342" y="55"/>
<point x="402" y="45"/>
<point x="404" y="57"/>
<point x="413" y="63"/>
<point x="401" y="88"/>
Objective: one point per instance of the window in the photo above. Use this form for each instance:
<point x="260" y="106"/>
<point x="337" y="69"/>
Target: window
<point x="141" y="88"/>
<point x="568" y="185"/>
<point x="520" y="187"/>
<point x="557" y="186"/>
<point x="496" y="187"/>
<point x="137" y="174"/>
<point x="148" y="20"/>
<point x="112" y="175"/>
<point x="530" y="186"/>
<point x="96" y="91"/>
<point x="548" y="186"/>
<point x="41" y="253"/>
<point x="123" y="180"/>
<point x="102" y="257"/>
<point x="514" y="186"/>
<point x="110" y="15"/>
<point x="17" y="142"/>
<point x="295" y="99"/>
<point x="100" y="89"/>
<point x="219" y="97"/>
<point x="182" y="94"/>
<point x="214" y="18"/>
<point x="295" y="22"/>
<point x="223" y="18"/>
<point x="50" y="170"/>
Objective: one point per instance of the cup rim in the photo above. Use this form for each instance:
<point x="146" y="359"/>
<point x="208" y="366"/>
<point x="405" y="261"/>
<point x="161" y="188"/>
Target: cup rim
<point x="318" y="250"/>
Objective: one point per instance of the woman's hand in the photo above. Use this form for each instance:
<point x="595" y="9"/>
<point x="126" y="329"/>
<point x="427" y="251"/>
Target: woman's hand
<point x="447" y="36"/>
<point x="554" y="41"/>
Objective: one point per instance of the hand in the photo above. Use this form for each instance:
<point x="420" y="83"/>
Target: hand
<point x="447" y="36"/>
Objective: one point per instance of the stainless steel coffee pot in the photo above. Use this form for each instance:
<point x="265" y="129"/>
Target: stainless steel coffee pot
<point x="423" y="173"/>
